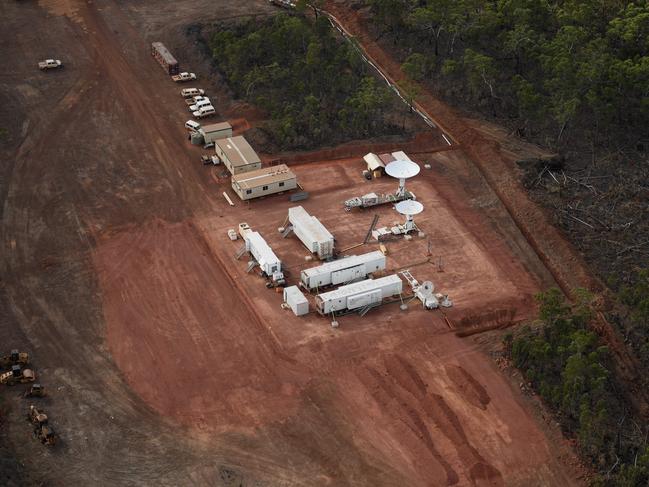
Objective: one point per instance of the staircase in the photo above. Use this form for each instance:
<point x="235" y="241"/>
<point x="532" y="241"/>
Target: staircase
<point x="287" y="231"/>
<point x="251" y="265"/>
<point x="240" y="252"/>
<point x="365" y="309"/>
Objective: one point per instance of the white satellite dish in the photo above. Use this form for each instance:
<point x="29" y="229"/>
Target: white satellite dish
<point x="402" y="169"/>
<point x="409" y="207"/>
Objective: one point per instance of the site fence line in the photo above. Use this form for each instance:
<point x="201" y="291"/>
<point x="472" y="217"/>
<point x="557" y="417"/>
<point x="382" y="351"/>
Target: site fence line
<point x="335" y="23"/>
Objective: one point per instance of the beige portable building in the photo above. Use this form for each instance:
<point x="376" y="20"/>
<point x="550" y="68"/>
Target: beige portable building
<point x="237" y="155"/>
<point x="261" y="182"/>
<point x="216" y="131"/>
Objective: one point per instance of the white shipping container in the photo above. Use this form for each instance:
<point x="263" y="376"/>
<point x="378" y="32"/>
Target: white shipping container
<point x="263" y="254"/>
<point x="343" y="270"/>
<point x="349" y="296"/>
<point x="296" y="300"/>
<point x="311" y="232"/>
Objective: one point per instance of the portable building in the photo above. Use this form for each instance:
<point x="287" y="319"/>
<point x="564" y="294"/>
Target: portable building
<point x="401" y="156"/>
<point x="343" y="271"/>
<point x="264" y="255"/>
<point x="261" y="182"/>
<point x="358" y="295"/>
<point x="164" y="57"/>
<point x="237" y="155"/>
<point x="296" y="300"/>
<point x="215" y="131"/>
<point x="374" y="163"/>
<point x="311" y="232"/>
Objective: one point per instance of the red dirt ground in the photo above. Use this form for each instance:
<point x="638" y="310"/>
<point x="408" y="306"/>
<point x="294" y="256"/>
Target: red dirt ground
<point x="207" y="344"/>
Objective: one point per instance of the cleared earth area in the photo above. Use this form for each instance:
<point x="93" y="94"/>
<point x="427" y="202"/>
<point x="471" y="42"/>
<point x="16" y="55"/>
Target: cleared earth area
<point x="167" y="363"/>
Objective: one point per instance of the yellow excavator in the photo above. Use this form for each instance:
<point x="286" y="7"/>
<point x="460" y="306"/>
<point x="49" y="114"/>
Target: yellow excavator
<point x="14" y="358"/>
<point x="17" y="375"/>
<point x="42" y="430"/>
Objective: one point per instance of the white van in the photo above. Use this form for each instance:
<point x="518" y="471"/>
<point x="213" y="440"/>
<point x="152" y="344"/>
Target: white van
<point x="188" y="92"/>
<point x="204" y="111"/>
<point x="203" y="102"/>
<point x="192" y="126"/>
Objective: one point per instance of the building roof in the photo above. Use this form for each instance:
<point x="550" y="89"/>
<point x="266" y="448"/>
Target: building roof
<point x="400" y="155"/>
<point x="264" y="254"/>
<point x="308" y="224"/>
<point x="373" y="162"/>
<point x="294" y="291"/>
<point x="360" y="287"/>
<point x="164" y="52"/>
<point x="216" y="127"/>
<point x="336" y="265"/>
<point x="264" y="176"/>
<point x="386" y="158"/>
<point x="238" y="151"/>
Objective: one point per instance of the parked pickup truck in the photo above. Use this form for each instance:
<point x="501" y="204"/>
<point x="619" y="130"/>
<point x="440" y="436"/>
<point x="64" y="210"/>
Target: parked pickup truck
<point x="205" y="102"/>
<point x="195" y="99"/>
<point x="213" y="159"/>
<point x="179" y="78"/>
<point x="204" y="111"/>
<point x="50" y="64"/>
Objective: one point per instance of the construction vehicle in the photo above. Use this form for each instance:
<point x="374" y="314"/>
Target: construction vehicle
<point x="38" y="418"/>
<point x="17" y="375"/>
<point x="182" y="77"/>
<point x="36" y="390"/>
<point x="14" y="358"/>
<point x="50" y="64"/>
<point x="46" y="435"/>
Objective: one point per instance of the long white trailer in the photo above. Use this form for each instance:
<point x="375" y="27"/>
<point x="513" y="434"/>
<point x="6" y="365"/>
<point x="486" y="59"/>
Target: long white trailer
<point x="311" y="232"/>
<point x="359" y="295"/>
<point x="342" y="271"/>
<point x="268" y="262"/>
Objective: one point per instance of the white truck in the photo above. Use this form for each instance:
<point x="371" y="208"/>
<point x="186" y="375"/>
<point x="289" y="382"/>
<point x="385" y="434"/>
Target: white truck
<point x="203" y="102"/>
<point x="194" y="99"/>
<point x="182" y="77"/>
<point x="50" y="64"/>
<point x="190" y="92"/>
<point x="205" y="111"/>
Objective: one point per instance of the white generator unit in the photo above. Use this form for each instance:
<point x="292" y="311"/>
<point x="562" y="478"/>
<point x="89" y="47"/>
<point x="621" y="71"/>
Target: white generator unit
<point x="370" y="292"/>
<point x="343" y="271"/>
<point x="268" y="262"/>
<point x="311" y="232"/>
<point x="296" y="300"/>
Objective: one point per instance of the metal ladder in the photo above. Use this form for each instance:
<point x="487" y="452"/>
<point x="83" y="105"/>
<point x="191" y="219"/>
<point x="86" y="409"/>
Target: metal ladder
<point x="287" y="231"/>
<point x="251" y="265"/>
<point x="240" y="252"/>
<point x="409" y="277"/>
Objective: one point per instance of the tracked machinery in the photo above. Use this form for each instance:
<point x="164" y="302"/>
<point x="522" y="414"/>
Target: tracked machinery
<point x="14" y="358"/>
<point x="17" y="375"/>
<point x="42" y="430"/>
<point x="36" y="390"/>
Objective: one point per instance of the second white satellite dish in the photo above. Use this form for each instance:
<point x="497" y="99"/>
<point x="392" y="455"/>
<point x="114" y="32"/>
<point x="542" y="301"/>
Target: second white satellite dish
<point x="402" y="169"/>
<point x="409" y="207"/>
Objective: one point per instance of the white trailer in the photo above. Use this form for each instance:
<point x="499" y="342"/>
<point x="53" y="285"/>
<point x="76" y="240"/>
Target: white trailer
<point x="370" y="292"/>
<point x="296" y="300"/>
<point x="311" y="232"/>
<point x="264" y="256"/>
<point x="343" y="271"/>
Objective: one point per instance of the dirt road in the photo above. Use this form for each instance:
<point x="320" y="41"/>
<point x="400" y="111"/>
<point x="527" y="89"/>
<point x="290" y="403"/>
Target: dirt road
<point x="116" y="278"/>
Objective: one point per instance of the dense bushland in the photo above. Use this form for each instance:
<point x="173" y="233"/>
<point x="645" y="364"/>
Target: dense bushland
<point x="570" y="369"/>
<point x="556" y="66"/>
<point x="315" y="88"/>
